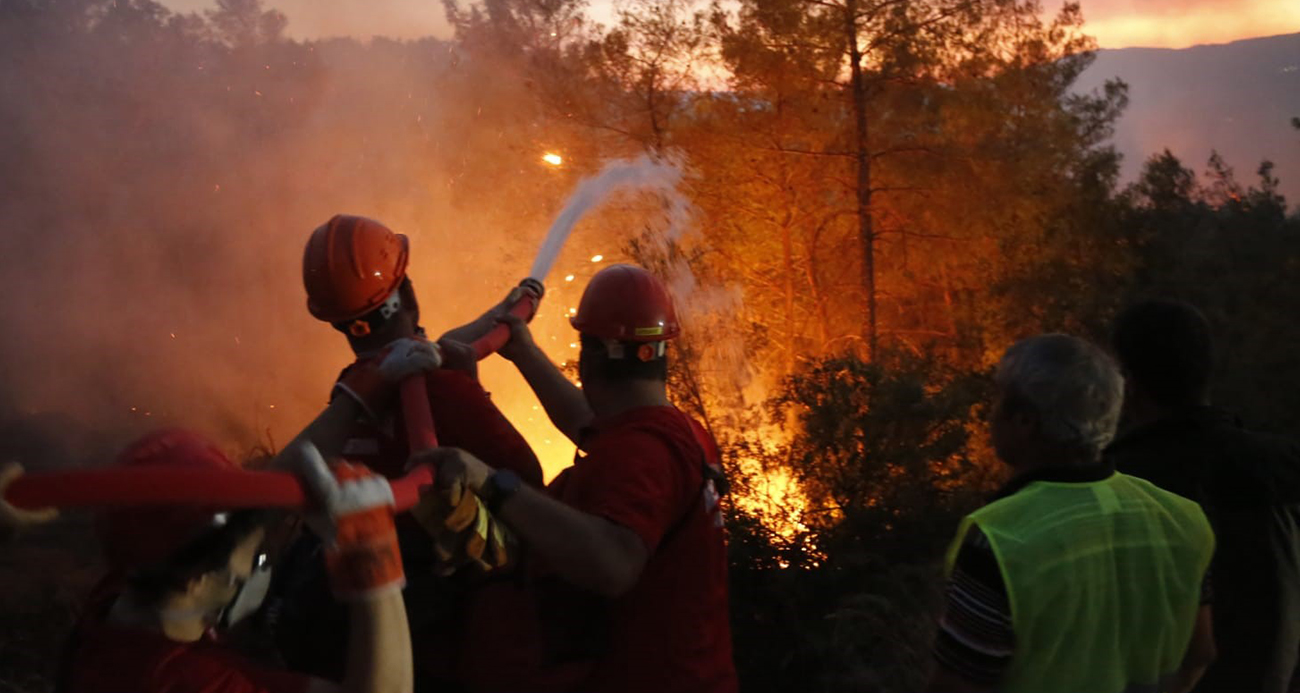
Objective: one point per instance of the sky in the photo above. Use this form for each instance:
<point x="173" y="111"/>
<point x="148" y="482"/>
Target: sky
<point x="1115" y="23"/>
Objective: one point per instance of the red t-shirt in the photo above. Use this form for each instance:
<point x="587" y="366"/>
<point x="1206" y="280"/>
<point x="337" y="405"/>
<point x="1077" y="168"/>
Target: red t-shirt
<point x="113" y="659"/>
<point x="643" y="470"/>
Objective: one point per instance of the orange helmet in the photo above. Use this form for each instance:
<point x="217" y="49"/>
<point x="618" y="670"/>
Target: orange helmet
<point x="351" y="267"/>
<point x="627" y="304"/>
<point x="137" y="537"/>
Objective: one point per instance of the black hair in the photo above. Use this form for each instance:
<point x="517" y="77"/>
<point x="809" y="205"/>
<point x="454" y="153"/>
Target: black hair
<point x="1165" y="348"/>
<point x="597" y="360"/>
<point x="208" y="552"/>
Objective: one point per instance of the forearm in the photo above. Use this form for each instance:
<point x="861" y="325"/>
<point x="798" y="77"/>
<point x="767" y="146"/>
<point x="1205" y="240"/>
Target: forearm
<point x="563" y="401"/>
<point x="587" y="551"/>
<point x="471" y="331"/>
<point x="329" y="432"/>
<point x="379" y="647"/>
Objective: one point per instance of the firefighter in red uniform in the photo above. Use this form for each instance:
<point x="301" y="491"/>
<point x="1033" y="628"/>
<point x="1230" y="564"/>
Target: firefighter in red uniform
<point x="631" y="535"/>
<point x="181" y="577"/>
<point x="354" y="270"/>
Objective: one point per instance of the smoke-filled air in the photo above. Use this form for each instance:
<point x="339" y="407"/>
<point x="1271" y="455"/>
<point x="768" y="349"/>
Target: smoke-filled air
<point x="854" y="231"/>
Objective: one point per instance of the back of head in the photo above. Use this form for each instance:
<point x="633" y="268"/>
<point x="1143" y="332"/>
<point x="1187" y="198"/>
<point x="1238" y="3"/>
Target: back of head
<point x="1166" y="350"/>
<point x="1071" y="387"/>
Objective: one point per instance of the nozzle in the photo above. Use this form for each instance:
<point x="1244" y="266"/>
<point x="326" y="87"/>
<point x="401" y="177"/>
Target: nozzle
<point x="534" y="286"/>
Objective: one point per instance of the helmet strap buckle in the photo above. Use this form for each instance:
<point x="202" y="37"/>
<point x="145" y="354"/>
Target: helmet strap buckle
<point x="646" y="352"/>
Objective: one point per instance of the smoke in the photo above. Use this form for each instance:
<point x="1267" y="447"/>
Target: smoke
<point x="161" y="175"/>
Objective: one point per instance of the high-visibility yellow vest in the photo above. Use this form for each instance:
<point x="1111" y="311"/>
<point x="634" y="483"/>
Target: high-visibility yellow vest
<point x="1104" y="581"/>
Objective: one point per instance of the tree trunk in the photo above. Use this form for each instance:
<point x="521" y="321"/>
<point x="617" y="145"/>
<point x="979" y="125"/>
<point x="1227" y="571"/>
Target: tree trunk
<point x="787" y="258"/>
<point x="866" y="231"/>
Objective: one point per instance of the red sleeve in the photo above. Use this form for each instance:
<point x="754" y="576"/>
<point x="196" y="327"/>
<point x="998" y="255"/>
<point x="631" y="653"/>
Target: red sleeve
<point x="214" y="669"/>
<point x="465" y="417"/>
<point x="634" y="480"/>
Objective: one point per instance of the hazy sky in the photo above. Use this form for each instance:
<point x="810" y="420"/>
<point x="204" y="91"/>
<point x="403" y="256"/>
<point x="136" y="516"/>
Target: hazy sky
<point x="1115" y="23"/>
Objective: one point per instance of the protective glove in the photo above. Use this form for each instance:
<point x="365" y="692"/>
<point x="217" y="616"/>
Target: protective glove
<point x="464" y="534"/>
<point x="373" y="382"/>
<point x="463" y="530"/>
<point x="354" y="518"/>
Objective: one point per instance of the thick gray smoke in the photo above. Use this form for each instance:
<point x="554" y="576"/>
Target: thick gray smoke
<point x="160" y="176"/>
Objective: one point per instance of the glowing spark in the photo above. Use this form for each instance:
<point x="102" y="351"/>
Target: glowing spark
<point x="597" y="258"/>
<point x="257" y="92"/>
<point x="173" y="334"/>
<point x="273" y="406"/>
<point x="573" y="311"/>
<point x="568" y="278"/>
<point x="552" y="158"/>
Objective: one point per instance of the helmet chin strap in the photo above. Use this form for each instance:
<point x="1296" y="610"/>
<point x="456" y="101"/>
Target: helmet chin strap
<point x="645" y="351"/>
<point x="364" y="325"/>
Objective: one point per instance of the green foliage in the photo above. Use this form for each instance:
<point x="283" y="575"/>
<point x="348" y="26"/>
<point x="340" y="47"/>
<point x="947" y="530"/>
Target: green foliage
<point x="885" y="455"/>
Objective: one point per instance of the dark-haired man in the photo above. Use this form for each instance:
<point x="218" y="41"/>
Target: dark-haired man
<point x="1248" y="484"/>
<point x="628" y="543"/>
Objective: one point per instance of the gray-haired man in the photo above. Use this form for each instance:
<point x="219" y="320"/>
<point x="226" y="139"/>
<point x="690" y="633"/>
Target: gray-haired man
<point x="1075" y="578"/>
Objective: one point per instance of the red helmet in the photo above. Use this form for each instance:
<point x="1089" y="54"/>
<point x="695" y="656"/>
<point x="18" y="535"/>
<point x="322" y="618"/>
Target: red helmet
<point x="628" y="304"/>
<point x="351" y="266"/>
<point x="140" y="536"/>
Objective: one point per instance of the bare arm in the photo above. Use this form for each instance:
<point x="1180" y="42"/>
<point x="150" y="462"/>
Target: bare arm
<point x="329" y="431"/>
<point x="586" y="550"/>
<point x="480" y="326"/>
<point x="563" y="401"/>
<point x="1200" y="654"/>
<point x="379" y="649"/>
<point x="376" y="384"/>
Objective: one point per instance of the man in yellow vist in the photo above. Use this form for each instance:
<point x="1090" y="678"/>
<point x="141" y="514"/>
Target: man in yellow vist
<point x="1076" y="579"/>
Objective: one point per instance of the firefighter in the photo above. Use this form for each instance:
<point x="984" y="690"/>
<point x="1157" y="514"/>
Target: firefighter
<point x="355" y="274"/>
<point x="184" y="576"/>
<point x="181" y="577"/>
<point x="354" y="270"/>
<point x="627" y="543"/>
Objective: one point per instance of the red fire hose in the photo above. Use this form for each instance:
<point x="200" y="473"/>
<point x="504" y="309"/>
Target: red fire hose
<point x="246" y="489"/>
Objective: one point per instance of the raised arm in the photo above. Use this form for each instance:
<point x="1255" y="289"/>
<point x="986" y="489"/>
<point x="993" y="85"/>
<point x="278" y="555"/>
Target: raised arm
<point x="355" y="523"/>
<point x="563" y="401"/>
<point x="368" y="388"/>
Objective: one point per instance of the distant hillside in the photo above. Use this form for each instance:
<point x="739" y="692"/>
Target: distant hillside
<point x="1238" y="98"/>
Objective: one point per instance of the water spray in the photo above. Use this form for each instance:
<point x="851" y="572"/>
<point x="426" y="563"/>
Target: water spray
<point x="118" y="487"/>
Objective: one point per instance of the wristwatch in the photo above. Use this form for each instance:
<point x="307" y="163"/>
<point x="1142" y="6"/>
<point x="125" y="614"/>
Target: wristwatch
<point x="498" y="489"/>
